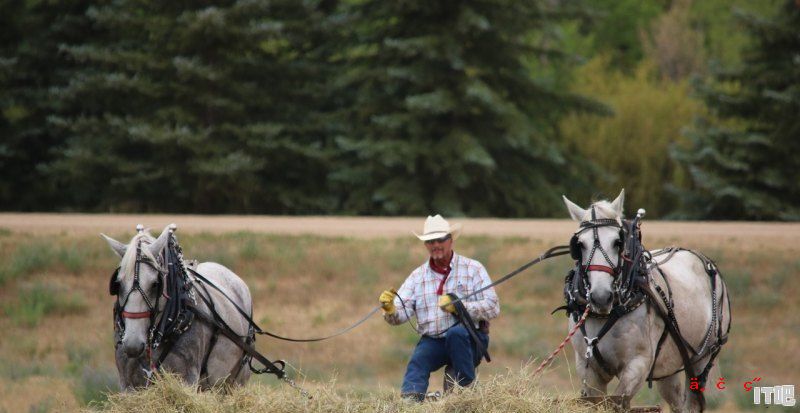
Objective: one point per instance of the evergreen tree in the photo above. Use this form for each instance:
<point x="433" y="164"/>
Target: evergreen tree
<point x="196" y="106"/>
<point x="619" y="26"/>
<point x="445" y="112"/>
<point x="746" y="166"/>
<point x="30" y="66"/>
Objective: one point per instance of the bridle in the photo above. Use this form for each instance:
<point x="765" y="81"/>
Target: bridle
<point x="152" y="305"/>
<point x="613" y="268"/>
<point x="632" y="287"/>
<point x="175" y="317"/>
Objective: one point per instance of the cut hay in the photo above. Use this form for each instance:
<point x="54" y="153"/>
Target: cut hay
<point x="511" y="392"/>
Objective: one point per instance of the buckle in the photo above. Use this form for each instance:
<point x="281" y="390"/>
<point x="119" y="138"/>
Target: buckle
<point x="590" y="342"/>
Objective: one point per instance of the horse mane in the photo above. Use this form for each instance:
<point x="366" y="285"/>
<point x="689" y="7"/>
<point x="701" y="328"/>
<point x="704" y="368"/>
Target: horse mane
<point x="128" y="263"/>
<point x="603" y="210"/>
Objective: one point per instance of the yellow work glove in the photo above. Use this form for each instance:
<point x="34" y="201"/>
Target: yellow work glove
<point x="387" y="301"/>
<point x="444" y="304"/>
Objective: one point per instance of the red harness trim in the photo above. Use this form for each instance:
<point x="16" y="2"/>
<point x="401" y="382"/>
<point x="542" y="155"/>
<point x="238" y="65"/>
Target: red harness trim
<point x="143" y="314"/>
<point x="602" y="268"/>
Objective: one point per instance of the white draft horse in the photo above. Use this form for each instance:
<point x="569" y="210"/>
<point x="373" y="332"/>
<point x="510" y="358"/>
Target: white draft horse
<point x="642" y="343"/>
<point x="194" y="350"/>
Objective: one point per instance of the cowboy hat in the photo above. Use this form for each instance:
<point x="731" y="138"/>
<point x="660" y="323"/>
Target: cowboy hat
<point x="437" y="227"/>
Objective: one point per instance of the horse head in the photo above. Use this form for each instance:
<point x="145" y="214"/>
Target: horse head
<point x="138" y="285"/>
<point x="596" y="248"/>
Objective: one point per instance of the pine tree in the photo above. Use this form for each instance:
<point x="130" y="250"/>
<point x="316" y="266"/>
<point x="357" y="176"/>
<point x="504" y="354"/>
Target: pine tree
<point x="188" y="106"/>
<point x="746" y="165"/>
<point x="445" y="112"/>
<point x="30" y="66"/>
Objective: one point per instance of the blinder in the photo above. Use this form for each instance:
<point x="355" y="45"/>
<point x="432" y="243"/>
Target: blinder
<point x="113" y="284"/>
<point x="575" y="246"/>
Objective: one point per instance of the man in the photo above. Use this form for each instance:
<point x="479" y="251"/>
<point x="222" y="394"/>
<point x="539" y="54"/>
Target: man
<point x="424" y="293"/>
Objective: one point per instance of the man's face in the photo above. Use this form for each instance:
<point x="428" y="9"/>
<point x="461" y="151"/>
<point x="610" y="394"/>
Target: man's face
<point x="440" y="248"/>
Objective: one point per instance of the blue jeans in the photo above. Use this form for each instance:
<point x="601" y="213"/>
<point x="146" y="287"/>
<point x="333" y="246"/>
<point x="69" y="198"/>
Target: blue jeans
<point x="456" y="349"/>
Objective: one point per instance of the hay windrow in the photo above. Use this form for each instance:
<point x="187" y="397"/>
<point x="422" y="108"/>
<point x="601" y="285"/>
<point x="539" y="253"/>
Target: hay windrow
<point x="511" y="392"/>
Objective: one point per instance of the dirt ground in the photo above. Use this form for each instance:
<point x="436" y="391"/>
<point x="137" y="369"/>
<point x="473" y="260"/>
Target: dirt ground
<point x="381" y="227"/>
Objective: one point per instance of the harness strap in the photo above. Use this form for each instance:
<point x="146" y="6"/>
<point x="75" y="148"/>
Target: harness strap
<point x="673" y="331"/>
<point x="591" y="343"/>
<point x="204" y="366"/>
<point x="247" y="358"/>
<point x="269" y="367"/>
<point x="603" y="268"/>
<point x="143" y="314"/>
<point x="464" y="318"/>
<point x="655" y="357"/>
<point x="671" y="319"/>
<point x="592" y="352"/>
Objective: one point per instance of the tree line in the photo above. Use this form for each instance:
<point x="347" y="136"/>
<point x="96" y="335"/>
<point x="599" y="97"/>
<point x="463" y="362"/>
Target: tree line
<point x="371" y="107"/>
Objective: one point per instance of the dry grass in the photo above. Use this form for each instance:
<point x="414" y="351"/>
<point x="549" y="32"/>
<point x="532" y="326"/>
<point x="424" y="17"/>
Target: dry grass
<point x="309" y="286"/>
<point x="510" y="392"/>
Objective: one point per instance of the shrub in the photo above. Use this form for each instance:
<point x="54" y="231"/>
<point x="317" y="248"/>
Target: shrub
<point x="630" y="149"/>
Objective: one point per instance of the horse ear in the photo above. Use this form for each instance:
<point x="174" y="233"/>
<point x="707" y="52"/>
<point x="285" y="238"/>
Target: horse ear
<point x="116" y="246"/>
<point x="160" y="243"/>
<point x="577" y="213"/>
<point x="618" y="203"/>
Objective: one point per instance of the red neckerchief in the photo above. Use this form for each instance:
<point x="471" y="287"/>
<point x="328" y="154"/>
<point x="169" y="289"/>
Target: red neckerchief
<point x="442" y="270"/>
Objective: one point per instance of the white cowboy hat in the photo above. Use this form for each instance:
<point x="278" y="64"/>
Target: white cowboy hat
<point x="438" y="227"/>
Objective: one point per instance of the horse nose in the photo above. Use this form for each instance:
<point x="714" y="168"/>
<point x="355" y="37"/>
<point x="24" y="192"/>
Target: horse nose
<point x="602" y="299"/>
<point x="134" y="350"/>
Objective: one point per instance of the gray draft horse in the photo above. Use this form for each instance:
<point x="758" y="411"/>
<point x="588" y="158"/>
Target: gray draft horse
<point x="629" y="350"/>
<point x="199" y="356"/>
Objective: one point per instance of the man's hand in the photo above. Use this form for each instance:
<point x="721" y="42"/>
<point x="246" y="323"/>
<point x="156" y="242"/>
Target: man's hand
<point x="387" y="301"/>
<point x="444" y="304"/>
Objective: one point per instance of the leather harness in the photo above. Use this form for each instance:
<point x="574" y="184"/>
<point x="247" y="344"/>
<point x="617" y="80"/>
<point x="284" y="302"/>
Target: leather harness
<point x="632" y="283"/>
<point x="180" y="310"/>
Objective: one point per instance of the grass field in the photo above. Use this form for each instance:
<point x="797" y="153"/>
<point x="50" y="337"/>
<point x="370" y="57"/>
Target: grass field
<point x="56" y="351"/>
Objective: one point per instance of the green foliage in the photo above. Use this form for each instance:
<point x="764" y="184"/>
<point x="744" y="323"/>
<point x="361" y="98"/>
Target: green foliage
<point x="95" y="385"/>
<point x="30" y="66"/>
<point x="44" y="406"/>
<point x="27" y="258"/>
<point x="16" y="369"/>
<point x="745" y="166"/>
<point x="723" y="37"/>
<point x="73" y="258"/>
<point x="368" y="107"/>
<point x="250" y="250"/>
<point x="618" y="28"/>
<point x="194" y="107"/>
<point x="78" y="357"/>
<point x="631" y="149"/>
<point x="39" y="300"/>
<point x="675" y="44"/>
<point x="445" y="113"/>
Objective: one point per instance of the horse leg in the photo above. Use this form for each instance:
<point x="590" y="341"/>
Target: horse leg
<point x="673" y="391"/>
<point x="223" y="362"/>
<point x="243" y="374"/>
<point x="695" y="400"/>
<point x="633" y="375"/>
<point x="592" y="383"/>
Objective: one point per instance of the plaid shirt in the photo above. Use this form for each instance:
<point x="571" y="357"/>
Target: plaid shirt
<point x="419" y="296"/>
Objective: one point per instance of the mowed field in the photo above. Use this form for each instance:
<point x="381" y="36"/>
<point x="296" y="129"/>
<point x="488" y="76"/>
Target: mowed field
<point x="312" y="276"/>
